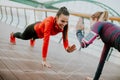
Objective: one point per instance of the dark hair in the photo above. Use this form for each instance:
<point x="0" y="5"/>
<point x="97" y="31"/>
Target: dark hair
<point x="65" y="32"/>
<point x="63" y="10"/>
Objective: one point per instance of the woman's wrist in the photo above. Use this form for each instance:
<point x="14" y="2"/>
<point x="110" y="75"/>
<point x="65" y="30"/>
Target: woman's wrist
<point x="67" y="49"/>
<point x="43" y="59"/>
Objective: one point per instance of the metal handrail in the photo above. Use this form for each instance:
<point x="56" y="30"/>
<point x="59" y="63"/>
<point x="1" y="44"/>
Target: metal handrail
<point x="114" y="18"/>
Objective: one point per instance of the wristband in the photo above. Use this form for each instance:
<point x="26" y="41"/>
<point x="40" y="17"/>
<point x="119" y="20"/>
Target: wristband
<point x="90" y="37"/>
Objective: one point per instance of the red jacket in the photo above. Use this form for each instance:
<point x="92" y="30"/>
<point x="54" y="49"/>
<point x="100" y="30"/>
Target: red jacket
<point x="46" y="28"/>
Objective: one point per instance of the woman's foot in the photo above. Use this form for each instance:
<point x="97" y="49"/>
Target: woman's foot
<point x="89" y="78"/>
<point x="12" y="39"/>
<point x="32" y="42"/>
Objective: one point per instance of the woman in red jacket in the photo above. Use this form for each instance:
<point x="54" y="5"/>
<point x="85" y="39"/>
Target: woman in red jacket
<point x="49" y="26"/>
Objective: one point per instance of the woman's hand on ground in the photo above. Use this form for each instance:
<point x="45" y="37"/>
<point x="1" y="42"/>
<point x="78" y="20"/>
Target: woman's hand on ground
<point x="45" y="64"/>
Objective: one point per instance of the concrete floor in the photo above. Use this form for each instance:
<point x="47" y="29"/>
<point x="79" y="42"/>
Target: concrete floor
<point x="21" y="62"/>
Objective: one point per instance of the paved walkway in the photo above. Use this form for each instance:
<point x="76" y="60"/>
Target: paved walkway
<point x="21" y="62"/>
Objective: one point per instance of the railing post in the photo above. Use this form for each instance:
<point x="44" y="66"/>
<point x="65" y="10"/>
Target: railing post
<point x="82" y="32"/>
<point x="17" y="16"/>
<point x="45" y="13"/>
<point x="11" y="15"/>
<point x="6" y="14"/>
<point x="25" y="17"/>
<point x="60" y="40"/>
<point x="1" y="13"/>
<point x="34" y="16"/>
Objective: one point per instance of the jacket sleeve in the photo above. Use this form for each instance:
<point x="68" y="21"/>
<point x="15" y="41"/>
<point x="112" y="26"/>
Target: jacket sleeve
<point x="47" y="30"/>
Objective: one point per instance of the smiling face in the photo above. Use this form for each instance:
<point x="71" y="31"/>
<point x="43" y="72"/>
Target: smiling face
<point x="62" y="21"/>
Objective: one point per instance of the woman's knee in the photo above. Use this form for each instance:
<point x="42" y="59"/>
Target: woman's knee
<point x="24" y="37"/>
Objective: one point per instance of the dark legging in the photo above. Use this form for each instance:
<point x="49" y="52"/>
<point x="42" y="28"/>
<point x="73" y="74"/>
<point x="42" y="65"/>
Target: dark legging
<point x="29" y="33"/>
<point x="104" y="54"/>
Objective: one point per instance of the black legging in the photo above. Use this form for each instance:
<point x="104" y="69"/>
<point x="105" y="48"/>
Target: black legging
<point x="104" y="54"/>
<point x="29" y="33"/>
